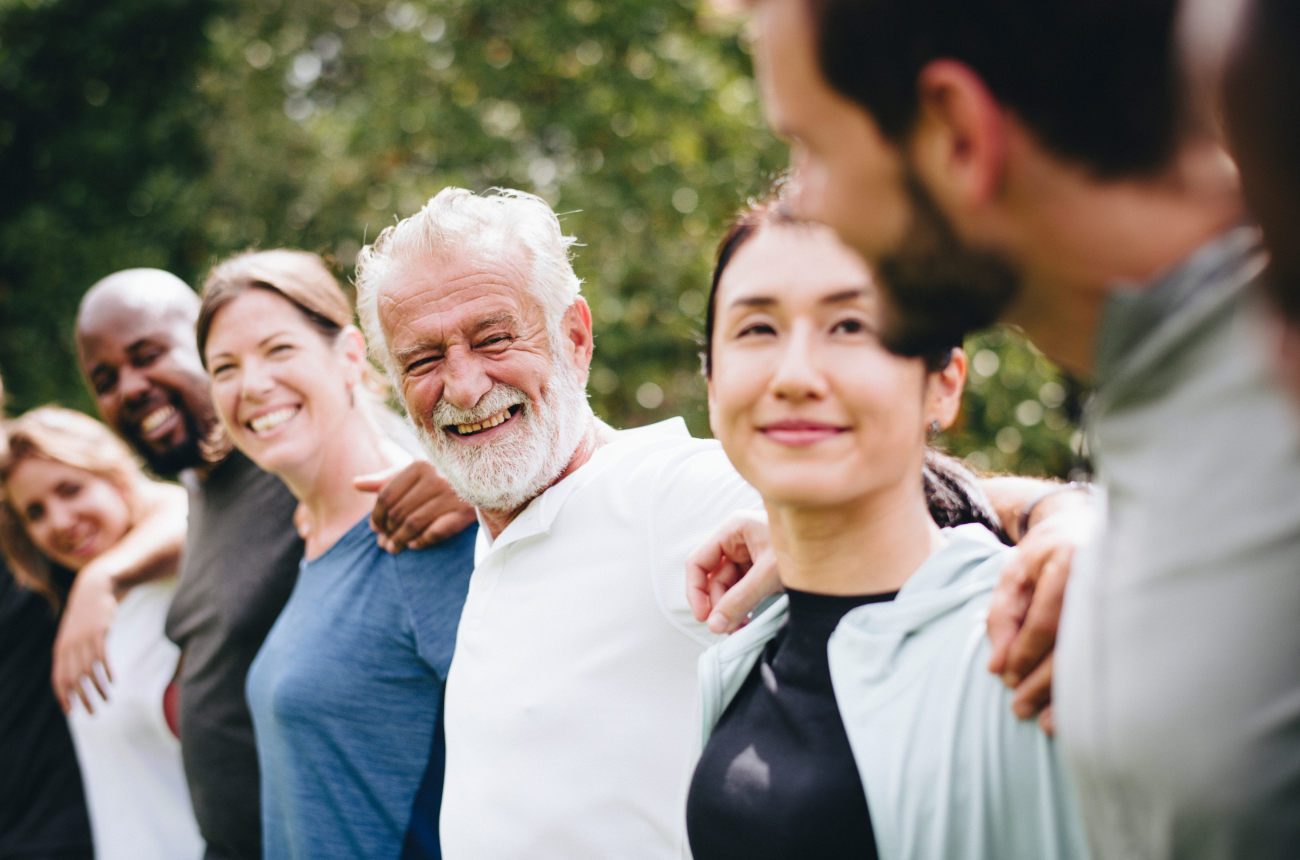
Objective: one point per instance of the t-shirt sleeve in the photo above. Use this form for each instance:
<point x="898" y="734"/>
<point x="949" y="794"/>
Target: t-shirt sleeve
<point x="434" y="582"/>
<point x="692" y="495"/>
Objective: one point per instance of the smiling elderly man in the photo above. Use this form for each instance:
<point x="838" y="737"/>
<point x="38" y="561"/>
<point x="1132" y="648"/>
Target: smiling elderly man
<point x="570" y="716"/>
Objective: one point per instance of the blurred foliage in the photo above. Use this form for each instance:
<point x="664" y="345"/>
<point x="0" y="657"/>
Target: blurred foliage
<point x="1019" y="413"/>
<point x="172" y="133"/>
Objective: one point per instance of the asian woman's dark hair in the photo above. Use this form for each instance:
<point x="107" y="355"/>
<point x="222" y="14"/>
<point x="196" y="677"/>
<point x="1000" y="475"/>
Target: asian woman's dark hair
<point x="951" y="490"/>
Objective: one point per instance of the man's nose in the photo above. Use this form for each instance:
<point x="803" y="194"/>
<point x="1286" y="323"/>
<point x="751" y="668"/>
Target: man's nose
<point x="464" y="380"/>
<point x="134" y="384"/>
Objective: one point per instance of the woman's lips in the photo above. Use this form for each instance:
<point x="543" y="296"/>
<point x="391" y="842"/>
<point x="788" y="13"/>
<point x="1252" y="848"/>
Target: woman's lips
<point x="799" y="433"/>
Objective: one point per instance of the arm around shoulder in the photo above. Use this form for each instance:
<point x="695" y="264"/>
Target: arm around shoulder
<point x="151" y="550"/>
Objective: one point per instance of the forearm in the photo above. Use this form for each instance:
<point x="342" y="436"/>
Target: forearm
<point x="1011" y="496"/>
<point x="152" y="549"/>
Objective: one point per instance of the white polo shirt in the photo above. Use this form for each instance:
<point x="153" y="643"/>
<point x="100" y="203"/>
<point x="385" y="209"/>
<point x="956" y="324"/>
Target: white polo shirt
<point x="572" y="711"/>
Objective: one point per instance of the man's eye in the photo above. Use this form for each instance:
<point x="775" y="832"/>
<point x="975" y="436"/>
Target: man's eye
<point x="495" y="340"/>
<point x="103" y="384"/>
<point x="146" y="357"/>
<point x="422" y="365"/>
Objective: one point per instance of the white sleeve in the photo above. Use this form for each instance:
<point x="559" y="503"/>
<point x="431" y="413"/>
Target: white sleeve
<point x="692" y="492"/>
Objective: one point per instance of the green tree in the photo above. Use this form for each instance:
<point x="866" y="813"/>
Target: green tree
<point x="314" y="125"/>
<point x="100" y="166"/>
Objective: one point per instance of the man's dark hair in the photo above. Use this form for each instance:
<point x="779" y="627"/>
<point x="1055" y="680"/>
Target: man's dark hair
<point x="1261" y="93"/>
<point x="1096" y="80"/>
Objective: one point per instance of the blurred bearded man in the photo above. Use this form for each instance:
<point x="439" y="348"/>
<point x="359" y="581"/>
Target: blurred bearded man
<point x="1038" y="163"/>
<point x="571" y="702"/>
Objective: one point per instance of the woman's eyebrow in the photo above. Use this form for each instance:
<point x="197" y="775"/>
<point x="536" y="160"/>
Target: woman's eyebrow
<point x="844" y="296"/>
<point x="753" y="302"/>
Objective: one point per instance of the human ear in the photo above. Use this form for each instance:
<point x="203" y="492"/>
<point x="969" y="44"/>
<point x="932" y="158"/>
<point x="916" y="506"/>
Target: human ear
<point x="712" y="407"/>
<point x="351" y="345"/>
<point x="943" y="390"/>
<point x="578" y="339"/>
<point x="958" y="145"/>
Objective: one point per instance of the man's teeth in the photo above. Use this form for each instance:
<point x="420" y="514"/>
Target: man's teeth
<point x="154" y="419"/>
<point x="271" y="420"/>
<point x="466" y="429"/>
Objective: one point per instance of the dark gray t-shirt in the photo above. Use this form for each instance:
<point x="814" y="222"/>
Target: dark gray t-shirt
<point x="241" y="561"/>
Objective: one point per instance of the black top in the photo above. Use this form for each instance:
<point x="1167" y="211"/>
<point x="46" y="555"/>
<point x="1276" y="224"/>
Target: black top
<point x="42" y="804"/>
<point x="777" y="778"/>
<point x="241" y="561"/>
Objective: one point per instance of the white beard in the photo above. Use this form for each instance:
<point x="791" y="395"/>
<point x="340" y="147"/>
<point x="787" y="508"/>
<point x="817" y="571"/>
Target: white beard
<point x="512" y="470"/>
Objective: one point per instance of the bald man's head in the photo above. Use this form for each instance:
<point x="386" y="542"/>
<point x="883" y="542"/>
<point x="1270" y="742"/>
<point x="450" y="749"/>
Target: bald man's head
<point x="135" y="341"/>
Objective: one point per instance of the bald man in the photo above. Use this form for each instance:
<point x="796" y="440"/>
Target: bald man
<point x="135" y="342"/>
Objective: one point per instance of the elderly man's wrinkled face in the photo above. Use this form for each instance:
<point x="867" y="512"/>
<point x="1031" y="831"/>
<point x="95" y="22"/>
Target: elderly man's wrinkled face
<point x="500" y="407"/>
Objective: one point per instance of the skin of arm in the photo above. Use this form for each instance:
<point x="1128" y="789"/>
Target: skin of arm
<point x="150" y="550"/>
<point x="416" y="507"/>
<point x="735" y="568"/>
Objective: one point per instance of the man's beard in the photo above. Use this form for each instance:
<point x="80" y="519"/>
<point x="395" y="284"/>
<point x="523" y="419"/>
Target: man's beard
<point x="939" y="289"/>
<point x="185" y="454"/>
<point x="508" y="472"/>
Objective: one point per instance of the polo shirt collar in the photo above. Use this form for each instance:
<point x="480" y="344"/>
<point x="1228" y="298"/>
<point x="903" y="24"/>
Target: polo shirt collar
<point x="541" y="512"/>
<point x="1209" y="276"/>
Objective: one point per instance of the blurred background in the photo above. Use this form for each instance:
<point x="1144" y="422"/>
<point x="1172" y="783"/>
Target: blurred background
<point x="171" y="133"/>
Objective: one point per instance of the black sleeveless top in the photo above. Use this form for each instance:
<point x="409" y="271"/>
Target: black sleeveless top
<point x="777" y="778"/>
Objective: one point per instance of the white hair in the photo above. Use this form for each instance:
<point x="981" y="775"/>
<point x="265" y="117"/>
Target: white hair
<point x="456" y="222"/>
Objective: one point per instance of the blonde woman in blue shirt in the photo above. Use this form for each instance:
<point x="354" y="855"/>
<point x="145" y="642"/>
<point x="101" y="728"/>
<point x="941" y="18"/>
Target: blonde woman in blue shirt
<point x="856" y="717"/>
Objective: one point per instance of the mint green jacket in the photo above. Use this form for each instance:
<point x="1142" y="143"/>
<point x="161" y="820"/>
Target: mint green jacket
<point x="948" y="770"/>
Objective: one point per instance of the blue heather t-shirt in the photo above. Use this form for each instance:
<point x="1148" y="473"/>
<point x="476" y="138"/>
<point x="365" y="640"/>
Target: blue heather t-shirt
<point x="345" y="695"/>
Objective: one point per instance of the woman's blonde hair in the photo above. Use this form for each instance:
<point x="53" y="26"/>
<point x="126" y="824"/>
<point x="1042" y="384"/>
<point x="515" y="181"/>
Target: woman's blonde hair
<point x="73" y="439"/>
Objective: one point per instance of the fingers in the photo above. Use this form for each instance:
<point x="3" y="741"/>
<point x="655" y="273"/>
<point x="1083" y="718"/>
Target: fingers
<point x="731" y="610"/>
<point x="1035" y="692"/>
<point x="730" y="572"/>
<point x="1047" y="720"/>
<point x="85" y="700"/>
<point x="431" y="523"/>
<point x="99" y="688"/>
<point x="704" y="587"/>
<point x="444" y="527"/>
<point x="375" y="481"/>
<point x="1037" y="634"/>
<point x="392" y="487"/>
<point x="700" y="566"/>
<point x="77" y="655"/>
<point x="78" y="687"/>
<point x="404" y="527"/>
<point x="418" y="508"/>
<point x="716" y="564"/>
<point x="1008" y="608"/>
